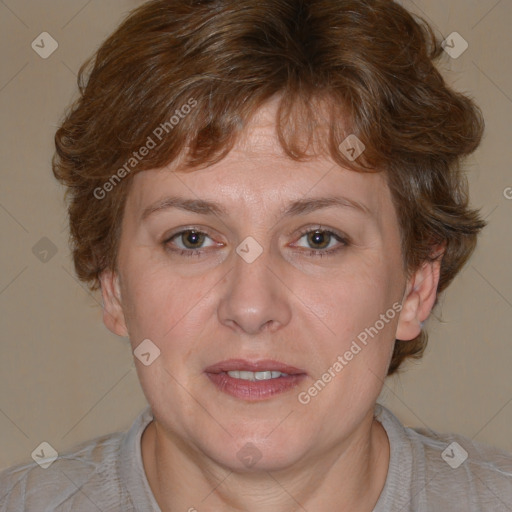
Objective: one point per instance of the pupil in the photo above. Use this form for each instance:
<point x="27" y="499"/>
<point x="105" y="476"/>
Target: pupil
<point x="192" y="239"/>
<point x="319" y="238"/>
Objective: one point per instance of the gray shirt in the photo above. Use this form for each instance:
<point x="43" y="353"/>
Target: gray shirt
<point x="427" y="471"/>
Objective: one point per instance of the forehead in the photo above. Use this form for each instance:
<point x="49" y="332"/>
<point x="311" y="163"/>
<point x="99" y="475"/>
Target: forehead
<point x="258" y="173"/>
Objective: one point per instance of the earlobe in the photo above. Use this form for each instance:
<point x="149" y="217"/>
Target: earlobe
<point x="113" y="315"/>
<point x="419" y="299"/>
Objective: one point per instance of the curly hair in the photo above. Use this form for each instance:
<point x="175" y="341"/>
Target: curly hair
<point x="181" y="79"/>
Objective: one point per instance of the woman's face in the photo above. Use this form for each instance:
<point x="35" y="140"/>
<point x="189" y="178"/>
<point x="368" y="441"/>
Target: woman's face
<point x="259" y="263"/>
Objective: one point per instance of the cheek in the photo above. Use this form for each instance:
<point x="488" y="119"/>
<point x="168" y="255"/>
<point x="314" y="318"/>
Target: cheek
<point x="351" y="297"/>
<point x="151" y="300"/>
<point x="160" y="304"/>
<point x="349" y="307"/>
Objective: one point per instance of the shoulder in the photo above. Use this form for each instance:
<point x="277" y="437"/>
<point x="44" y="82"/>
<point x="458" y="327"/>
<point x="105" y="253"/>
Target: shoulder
<point x="74" y="481"/>
<point x="465" y="470"/>
<point x="450" y="470"/>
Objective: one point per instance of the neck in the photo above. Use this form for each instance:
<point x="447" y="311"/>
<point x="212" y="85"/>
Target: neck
<point x="348" y="477"/>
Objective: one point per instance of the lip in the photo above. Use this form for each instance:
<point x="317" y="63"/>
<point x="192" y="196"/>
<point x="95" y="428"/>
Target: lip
<point x="253" y="366"/>
<point x="258" y="390"/>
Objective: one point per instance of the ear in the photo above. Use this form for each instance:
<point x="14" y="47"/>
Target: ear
<point x="419" y="299"/>
<point x="113" y="315"/>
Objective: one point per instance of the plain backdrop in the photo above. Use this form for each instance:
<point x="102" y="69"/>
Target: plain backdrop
<point x="64" y="378"/>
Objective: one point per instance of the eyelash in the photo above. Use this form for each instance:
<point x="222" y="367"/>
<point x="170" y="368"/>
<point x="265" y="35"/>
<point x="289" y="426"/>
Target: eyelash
<point x="311" y="252"/>
<point x="325" y="252"/>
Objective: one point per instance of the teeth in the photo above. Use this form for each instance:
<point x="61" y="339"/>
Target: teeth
<point x="254" y="376"/>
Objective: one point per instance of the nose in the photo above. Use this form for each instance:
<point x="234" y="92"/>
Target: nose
<point x="255" y="300"/>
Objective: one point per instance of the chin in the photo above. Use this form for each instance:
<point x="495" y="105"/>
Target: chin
<point x="258" y="453"/>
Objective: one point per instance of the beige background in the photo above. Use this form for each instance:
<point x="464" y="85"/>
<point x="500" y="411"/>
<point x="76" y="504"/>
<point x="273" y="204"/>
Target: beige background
<point x="64" y="378"/>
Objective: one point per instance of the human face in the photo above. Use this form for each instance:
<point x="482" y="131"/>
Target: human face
<point x="301" y="303"/>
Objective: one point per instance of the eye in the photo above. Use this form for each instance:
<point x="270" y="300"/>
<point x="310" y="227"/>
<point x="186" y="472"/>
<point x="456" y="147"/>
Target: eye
<point x="190" y="239"/>
<point x="322" y="241"/>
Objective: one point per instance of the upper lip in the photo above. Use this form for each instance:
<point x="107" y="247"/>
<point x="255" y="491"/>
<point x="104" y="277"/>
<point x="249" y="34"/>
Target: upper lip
<point x="253" y="366"/>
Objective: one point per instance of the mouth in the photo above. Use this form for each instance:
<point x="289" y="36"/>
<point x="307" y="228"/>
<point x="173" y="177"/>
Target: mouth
<point x="254" y="380"/>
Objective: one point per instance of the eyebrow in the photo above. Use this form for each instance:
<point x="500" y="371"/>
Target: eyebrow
<point x="299" y="207"/>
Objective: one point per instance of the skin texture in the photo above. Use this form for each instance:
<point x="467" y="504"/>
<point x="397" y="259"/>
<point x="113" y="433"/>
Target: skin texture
<point x="290" y="305"/>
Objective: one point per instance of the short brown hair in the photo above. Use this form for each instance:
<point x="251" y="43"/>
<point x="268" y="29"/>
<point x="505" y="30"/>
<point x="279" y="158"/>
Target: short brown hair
<point x="363" y="67"/>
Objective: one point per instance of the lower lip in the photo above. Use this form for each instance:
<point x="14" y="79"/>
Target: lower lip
<point x="254" y="391"/>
